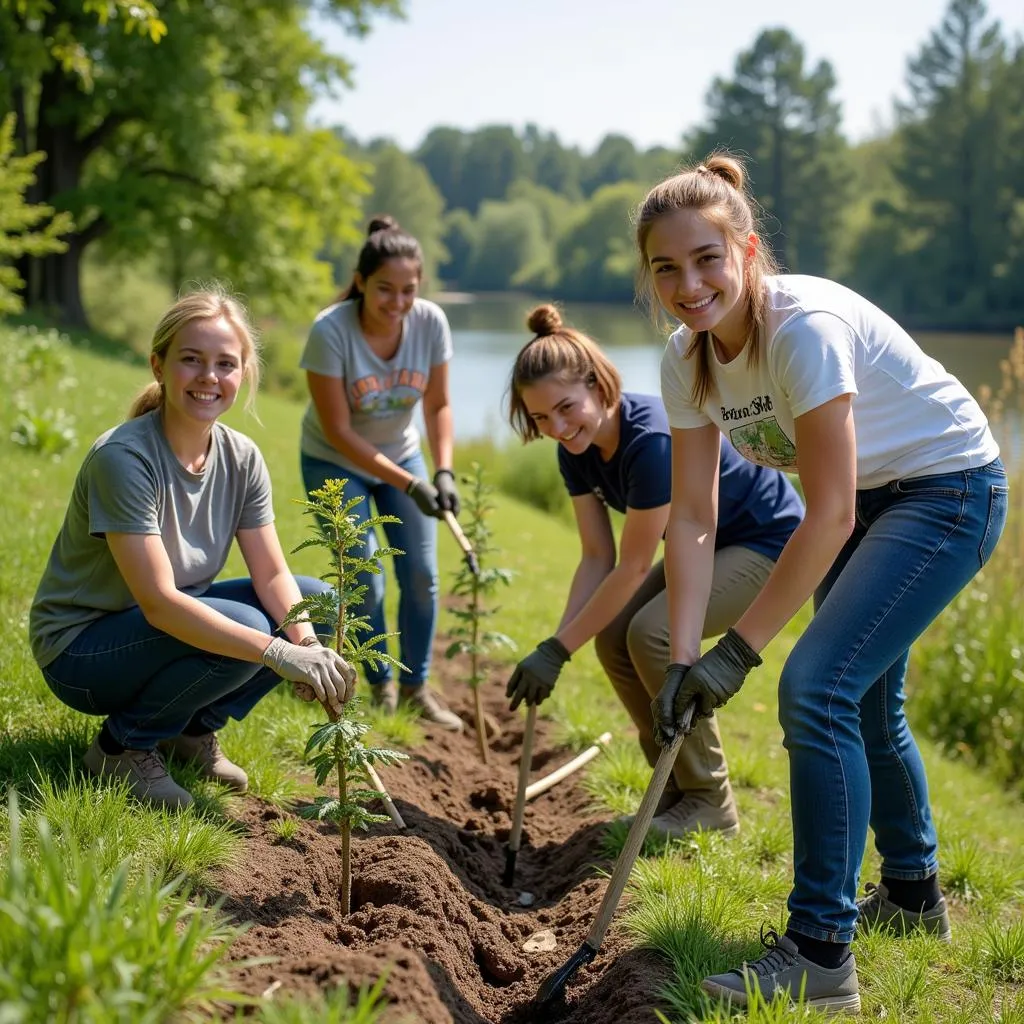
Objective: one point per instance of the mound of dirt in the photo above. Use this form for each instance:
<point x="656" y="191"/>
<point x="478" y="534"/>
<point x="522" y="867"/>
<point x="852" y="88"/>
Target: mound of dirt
<point x="428" y="905"/>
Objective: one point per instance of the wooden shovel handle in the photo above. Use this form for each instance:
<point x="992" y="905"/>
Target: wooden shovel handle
<point x="637" y="834"/>
<point x="525" y="757"/>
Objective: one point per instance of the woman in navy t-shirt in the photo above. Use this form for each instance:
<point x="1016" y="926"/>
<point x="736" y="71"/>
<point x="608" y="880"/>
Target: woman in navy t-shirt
<point x="614" y="451"/>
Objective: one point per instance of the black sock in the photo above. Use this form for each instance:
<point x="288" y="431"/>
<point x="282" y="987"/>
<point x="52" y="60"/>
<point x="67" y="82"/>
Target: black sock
<point x="916" y="896"/>
<point x="824" y="954"/>
<point x="107" y="743"/>
<point x="195" y="728"/>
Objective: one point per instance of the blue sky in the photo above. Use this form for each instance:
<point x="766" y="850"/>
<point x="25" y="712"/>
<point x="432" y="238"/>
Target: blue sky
<point x="584" y="68"/>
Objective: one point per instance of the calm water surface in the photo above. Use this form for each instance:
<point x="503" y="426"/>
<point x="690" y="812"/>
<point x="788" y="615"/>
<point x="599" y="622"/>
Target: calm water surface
<point x="488" y="332"/>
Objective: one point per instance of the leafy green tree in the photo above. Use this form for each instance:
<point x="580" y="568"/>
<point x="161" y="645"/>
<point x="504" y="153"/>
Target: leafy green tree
<point x="786" y="119"/>
<point x="26" y="229"/>
<point x="494" y="159"/>
<point x="594" y="258"/>
<point x="953" y="167"/>
<point x="614" y="160"/>
<point x="443" y="153"/>
<point x="190" y="146"/>
<point x="551" y="165"/>
<point x="459" y="240"/>
<point x="509" y="247"/>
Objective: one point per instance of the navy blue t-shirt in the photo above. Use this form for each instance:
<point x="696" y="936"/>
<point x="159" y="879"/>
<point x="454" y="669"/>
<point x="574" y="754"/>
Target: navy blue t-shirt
<point x="758" y="508"/>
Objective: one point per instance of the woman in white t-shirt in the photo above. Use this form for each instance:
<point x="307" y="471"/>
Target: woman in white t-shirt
<point x="371" y="359"/>
<point x="906" y="498"/>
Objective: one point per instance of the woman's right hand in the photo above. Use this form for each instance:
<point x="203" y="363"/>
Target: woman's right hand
<point x="426" y="496"/>
<point x="327" y="672"/>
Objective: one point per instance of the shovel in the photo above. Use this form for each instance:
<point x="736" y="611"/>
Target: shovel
<point x="551" y="995"/>
<point x="463" y="541"/>
<point x="525" y="757"/>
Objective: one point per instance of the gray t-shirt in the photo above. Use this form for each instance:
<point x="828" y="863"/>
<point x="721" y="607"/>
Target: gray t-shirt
<point x="382" y="393"/>
<point x="131" y="482"/>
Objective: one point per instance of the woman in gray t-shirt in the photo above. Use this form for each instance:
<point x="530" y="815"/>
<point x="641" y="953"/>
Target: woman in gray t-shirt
<point x="370" y="360"/>
<point x="127" y="621"/>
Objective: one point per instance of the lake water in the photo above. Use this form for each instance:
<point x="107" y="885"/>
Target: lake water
<point x="488" y="332"/>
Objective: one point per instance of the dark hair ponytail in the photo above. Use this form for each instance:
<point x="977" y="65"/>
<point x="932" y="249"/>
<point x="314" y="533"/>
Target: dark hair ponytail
<point x="385" y="240"/>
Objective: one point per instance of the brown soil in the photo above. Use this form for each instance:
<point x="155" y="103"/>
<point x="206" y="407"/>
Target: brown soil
<point x="429" y="907"/>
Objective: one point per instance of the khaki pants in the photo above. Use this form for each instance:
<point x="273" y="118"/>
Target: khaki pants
<point x="634" y="651"/>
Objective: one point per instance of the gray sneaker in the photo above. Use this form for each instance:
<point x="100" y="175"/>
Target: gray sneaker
<point x="206" y="753"/>
<point x="693" y="811"/>
<point x="783" y="969"/>
<point x="877" y="911"/>
<point x="426" y="702"/>
<point x="385" y="696"/>
<point x="146" y="774"/>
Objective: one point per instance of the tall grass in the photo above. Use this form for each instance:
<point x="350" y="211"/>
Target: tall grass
<point x="969" y="667"/>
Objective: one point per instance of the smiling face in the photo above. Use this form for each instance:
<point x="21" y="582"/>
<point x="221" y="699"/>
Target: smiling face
<point x="571" y="413"/>
<point x="698" y="274"/>
<point x="201" y="371"/>
<point x="388" y="295"/>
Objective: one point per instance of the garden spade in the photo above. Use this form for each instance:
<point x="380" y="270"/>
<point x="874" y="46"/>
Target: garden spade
<point x="525" y="757"/>
<point x="463" y="541"/>
<point x="551" y="995"/>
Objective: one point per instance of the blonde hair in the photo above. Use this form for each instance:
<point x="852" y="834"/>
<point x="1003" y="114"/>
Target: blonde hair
<point x="718" y="188"/>
<point x="209" y="303"/>
<point x="557" y="350"/>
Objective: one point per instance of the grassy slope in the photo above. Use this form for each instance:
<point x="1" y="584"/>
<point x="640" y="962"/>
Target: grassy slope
<point x="721" y="892"/>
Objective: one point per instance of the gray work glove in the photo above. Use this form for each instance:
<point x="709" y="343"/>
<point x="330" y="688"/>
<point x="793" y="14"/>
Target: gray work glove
<point x="426" y="497"/>
<point x="663" y="707"/>
<point x="535" y="676"/>
<point x="447" y="492"/>
<point x="717" y="675"/>
<point x="330" y="676"/>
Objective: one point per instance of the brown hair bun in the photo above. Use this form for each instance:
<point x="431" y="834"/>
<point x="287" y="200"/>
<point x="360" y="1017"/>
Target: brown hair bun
<point x="544" y="320"/>
<point x="381" y="222"/>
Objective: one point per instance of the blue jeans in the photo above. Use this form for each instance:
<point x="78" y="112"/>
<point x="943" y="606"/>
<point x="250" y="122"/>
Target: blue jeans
<point x="152" y="686"/>
<point x="416" y="570"/>
<point x="853" y="761"/>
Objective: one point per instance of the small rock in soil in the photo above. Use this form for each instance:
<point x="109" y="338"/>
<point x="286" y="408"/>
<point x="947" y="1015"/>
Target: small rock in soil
<point x="526" y="899"/>
<point x="541" y="942"/>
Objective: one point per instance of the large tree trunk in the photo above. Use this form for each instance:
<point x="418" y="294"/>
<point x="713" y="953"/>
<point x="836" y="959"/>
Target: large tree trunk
<point x="55" y="280"/>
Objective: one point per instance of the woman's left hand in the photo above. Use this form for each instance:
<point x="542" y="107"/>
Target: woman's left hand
<point x="447" y="492"/>
<point x="717" y="675"/>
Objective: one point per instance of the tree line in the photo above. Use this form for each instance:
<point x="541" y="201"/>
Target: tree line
<point x="199" y="155"/>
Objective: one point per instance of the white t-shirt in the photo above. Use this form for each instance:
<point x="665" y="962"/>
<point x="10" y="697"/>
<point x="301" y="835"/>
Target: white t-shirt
<point x="822" y="340"/>
<point x="382" y="393"/>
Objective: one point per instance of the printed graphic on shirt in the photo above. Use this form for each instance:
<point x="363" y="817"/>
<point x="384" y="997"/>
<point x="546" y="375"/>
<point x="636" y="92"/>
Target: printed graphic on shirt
<point x="380" y="396"/>
<point x="599" y="494"/>
<point x="764" y="442"/>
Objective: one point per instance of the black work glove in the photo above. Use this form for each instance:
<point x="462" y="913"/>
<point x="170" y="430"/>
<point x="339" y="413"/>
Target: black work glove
<point x="447" y="492"/>
<point x="719" y="674"/>
<point x="663" y="708"/>
<point x="535" y="676"/>
<point x="426" y="497"/>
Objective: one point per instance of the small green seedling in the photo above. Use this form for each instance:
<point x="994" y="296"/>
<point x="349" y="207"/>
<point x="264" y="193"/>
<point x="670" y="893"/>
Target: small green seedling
<point x="476" y="587"/>
<point x="336" y="746"/>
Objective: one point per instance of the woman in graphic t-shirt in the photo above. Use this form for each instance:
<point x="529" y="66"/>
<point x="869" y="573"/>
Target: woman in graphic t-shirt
<point x="370" y="360"/>
<point x="128" y="621"/>
<point x="906" y="499"/>
<point x="614" y="451"/>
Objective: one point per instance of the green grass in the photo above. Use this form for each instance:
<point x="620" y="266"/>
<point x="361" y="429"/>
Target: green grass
<point x="700" y="902"/>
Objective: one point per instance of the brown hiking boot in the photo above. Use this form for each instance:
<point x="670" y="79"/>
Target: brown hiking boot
<point x="146" y="774"/>
<point x="693" y="811"/>
<point x="385" y="696"/>
<point x="429" y="706"/>
<point x="206" y="753"/>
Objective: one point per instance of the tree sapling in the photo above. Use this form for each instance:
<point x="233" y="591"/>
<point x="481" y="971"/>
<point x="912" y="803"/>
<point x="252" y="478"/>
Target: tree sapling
<point x="470" y="635"/>
<point x="337" y="746"/>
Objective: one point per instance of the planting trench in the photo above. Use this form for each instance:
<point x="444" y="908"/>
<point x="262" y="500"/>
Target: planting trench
<point x="428" y="904"/>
